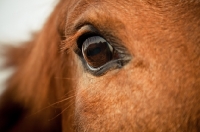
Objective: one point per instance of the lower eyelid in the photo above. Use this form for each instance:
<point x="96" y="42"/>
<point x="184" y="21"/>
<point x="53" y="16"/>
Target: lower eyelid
<point x="115" y="64"/>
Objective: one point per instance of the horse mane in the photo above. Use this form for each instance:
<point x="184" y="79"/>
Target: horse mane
<point x="31" y="90"/>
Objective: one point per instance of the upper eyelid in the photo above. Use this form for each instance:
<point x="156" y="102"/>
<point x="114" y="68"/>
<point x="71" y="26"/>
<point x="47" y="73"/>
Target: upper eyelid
<point x="84" y="27"/>
<point x="108" y="36"/>
<point x="78" y="31"/>
<point x="73" y="35"/>
<point x="88" y="28"/>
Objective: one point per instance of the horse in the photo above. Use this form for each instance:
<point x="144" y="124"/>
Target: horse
<point x="128" y="66"/>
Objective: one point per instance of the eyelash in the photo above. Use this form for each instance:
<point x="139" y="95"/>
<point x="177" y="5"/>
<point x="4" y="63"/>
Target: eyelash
<point x="111" y="65"/>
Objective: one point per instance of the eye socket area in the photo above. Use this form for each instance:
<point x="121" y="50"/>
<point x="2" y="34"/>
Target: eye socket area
<point x="97" y="51"/>
<point x="98" y="55"/>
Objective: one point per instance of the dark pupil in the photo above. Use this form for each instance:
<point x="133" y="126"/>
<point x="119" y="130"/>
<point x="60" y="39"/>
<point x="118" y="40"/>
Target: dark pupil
<point x="93" y="51"/>
<point x="97" y="51"/>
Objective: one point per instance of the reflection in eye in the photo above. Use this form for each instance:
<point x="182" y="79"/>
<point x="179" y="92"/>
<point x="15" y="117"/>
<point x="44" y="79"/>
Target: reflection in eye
<point x="97" y="51"/>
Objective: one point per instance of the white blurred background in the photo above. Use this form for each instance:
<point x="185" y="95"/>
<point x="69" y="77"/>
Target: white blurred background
<point x="18" y="20"/>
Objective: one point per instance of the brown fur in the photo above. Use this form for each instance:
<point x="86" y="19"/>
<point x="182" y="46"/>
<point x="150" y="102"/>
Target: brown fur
<point x="158" y="90"/>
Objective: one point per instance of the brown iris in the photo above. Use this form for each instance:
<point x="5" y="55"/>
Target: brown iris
<point x="97" y="51"/>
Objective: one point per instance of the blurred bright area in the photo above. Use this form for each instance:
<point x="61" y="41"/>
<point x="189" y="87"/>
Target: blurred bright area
<point x="19" y="19"/>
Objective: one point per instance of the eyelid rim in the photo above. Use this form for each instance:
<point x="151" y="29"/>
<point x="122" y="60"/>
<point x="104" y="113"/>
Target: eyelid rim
<point x="110" y="65"/>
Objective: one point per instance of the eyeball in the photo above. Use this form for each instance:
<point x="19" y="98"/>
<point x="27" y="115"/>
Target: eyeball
<point x="97" y="51"/>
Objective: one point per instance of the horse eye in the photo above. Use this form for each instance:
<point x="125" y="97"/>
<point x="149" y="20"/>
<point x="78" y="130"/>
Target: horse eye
<point x="97" y="51"/>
